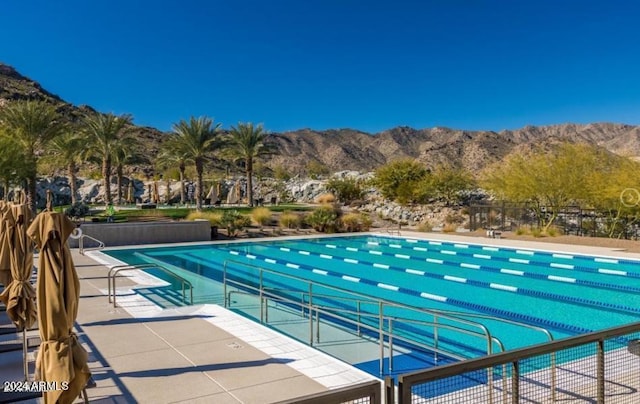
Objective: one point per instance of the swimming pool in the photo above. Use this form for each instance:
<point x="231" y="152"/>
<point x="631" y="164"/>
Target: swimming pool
<point x="567" y="294"/>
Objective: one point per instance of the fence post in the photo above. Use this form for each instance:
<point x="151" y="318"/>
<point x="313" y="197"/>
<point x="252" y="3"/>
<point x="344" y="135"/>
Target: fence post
<point x="515" y="383"/>
<point x="600" y="372"/>
<point x="389" y="396"/>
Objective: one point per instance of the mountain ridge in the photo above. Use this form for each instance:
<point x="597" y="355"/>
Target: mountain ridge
<point x="352" y="149"/>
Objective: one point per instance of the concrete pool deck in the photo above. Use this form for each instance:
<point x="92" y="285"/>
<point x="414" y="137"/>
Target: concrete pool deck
<point x="142" y="353"/>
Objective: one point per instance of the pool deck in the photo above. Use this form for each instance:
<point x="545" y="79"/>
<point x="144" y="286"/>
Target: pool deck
<point x="139" y="352"/>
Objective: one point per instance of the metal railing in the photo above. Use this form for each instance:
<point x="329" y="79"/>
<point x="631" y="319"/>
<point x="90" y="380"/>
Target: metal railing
<point x="598" y="367"/>
<point x="364" y="393"/>
<point x="81" y="243"/>
<point x="114" y="271"/>
<point x="460" y="325"/>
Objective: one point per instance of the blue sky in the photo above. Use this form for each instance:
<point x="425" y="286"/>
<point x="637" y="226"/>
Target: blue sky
<point x="367" y="65"/>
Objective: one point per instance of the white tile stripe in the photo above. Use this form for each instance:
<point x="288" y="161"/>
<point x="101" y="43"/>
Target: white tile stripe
<point x="512" y="272"/>
<point x="606" y="260"/>
<point x="433" y="297"/>
<point x="524" y="252"/>
<point x="612" y="272"/>
<point x="518" y="260"/>
<point x="503" y="287"/>
<point x="566" y="256"/>
<point x="562" y="266"/>
<point x="561" y="279"/>
<point x="455" y="279"/>
<point x="389" y="287"/>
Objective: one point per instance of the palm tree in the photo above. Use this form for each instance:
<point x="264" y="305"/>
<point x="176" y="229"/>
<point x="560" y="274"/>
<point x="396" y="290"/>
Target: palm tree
<point x="248" y="142"/>
<point x="104" y="132"/>
<point x="171" y="156"/>
<point x="194" y="140"/>
<point x="67" y="150"/>
<point x="32" y="124"/>
<point x="123" y="152"/>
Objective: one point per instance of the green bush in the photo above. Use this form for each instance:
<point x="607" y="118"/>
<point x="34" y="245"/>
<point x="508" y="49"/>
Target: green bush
<point x="346" y="190"/>
<point x="325" y="219"/>
<point x="77" y="210"/>
<point x="290" y="220"/>
<point x="234" y="222"/>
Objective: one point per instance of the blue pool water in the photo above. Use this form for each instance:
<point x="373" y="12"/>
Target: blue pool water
<point x="567" y="294"/>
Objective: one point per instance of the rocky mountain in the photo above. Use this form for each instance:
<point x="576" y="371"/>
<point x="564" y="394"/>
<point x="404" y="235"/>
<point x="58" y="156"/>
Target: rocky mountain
<point x="350" y="149"/>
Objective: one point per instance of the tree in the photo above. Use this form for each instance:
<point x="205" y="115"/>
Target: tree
<point x="247" y="143"/>
<point x="67" y="150"/>
<point x="396" y="180"/>
<point x="13" y="168"/>
<point x="123" y="152"/>
<point x="448" y="183"/>
<point x="171" y="155"/>
<point x="104" y="133"/>
<point x="550" y="180"/>
<point x="346" y="190"/>
<point x="32" y="125"/>
<point x="195" y="139"/>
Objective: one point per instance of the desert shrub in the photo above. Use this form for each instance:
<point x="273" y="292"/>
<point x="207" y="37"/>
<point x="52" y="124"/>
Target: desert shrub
<point x="290" y="220"/>
<point x="354" y="221"/>
<point x="214" y="218"/>
<point x="346" y="190"/>
<point x="325" y="198"/>
<point x="553" y="231"/>
<point x="425" y="226"/>
<point x="234" y="222"/>
<point x="261" y="216"/>
<point x="449" y="228"/>
<point x="522" y="230"/>
<point x="325" y="219"/>
<point x="536" y="232"/>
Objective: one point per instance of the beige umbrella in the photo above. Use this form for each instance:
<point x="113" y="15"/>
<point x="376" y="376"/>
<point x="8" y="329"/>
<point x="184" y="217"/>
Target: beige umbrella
<point x="61" y="358"/>
<point x="6" y="223"/>
<point x="130" y="192"/>
<point x="19" y="296"/>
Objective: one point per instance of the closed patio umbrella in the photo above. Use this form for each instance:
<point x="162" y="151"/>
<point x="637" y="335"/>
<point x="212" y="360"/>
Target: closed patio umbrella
<point x="130" y="192"/>
<point x="60" y="356"/>
<point x="19" y="296"/>
<point x="6" y="223"/>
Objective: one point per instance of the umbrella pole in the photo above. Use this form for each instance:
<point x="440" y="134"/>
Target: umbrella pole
<point x="25" y="363"/>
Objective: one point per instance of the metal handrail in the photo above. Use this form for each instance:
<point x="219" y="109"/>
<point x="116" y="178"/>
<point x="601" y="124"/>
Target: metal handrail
<point x="484" y="330"/>
<point x="328" y="311"/>
<point x="81" y="243"/>
<point x="114" y="268"/>
<point x="113" y="273"/>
